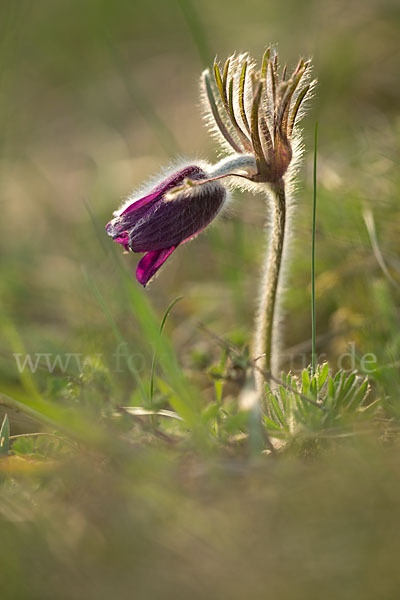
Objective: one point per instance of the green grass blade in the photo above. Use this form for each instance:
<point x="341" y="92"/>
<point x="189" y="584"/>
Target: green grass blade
<point x="277" y="410"/>
<point x="323" y="374"/>
<point x="5" y="436"/>
<point x="185" y="400"/>
<point x="72" y="422"/>
<point x="313" y="308"/>
<point x="14" y="339"/>
<point x="197" y="31"/>
<point x="115" y="329"/>
<point x="305" y="379"/>
<point x="153" y="362"/>
<point x="170" y="307"/>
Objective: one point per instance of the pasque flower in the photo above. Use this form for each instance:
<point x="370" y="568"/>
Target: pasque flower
<point x="171" y="214"/>
<point x="255" y="111"/>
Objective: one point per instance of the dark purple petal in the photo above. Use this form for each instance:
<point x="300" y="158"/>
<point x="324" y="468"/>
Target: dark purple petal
<point x="150" y="263"/>
<point x="190" y="172"/>
<point x="140" y="206"/>
<point x="119" y="227"/>
<point x="170" y="222"/>
<point x="157" y="223"/>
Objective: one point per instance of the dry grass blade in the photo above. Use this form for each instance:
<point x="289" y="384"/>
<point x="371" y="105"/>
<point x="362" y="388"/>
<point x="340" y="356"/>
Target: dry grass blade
<point x="139" y="411"/>
<point x="370" y="225"/>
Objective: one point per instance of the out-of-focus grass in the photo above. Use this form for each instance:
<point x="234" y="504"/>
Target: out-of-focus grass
<point x="94" y="99"/>
<point x="157" y="527"/>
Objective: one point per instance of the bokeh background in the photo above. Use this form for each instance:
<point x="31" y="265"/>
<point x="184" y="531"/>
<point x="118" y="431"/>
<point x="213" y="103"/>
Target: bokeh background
<point x="96" y="97"/>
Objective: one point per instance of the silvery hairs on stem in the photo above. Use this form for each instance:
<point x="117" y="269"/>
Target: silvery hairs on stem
<point x="254" y="113"/>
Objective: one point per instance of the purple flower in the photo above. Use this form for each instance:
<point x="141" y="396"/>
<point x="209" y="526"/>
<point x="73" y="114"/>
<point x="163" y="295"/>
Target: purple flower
<point x="157" y="223"/>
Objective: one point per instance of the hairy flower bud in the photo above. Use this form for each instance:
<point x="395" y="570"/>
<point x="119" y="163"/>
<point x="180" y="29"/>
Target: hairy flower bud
<point x="256" y="110"/>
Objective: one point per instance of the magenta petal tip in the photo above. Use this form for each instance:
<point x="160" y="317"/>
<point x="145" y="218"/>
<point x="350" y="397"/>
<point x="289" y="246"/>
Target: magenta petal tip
<point x="150" y="263"/>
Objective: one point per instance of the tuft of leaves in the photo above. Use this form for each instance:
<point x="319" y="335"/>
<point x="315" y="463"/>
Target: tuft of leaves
<point x="322" y="405"/>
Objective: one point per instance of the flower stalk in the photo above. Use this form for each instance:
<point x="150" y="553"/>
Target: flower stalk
<point x="268" y="310"/>
<point x="257" y="111"/>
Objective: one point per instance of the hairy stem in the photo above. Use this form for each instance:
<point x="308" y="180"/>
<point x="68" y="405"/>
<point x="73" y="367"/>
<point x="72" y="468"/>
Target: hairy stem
<point x="230" y="164"/>
<point x="267" y="309"/>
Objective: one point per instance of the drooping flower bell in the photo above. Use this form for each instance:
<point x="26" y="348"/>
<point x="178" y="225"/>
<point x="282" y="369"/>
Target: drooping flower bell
<point x="171" y="214"/>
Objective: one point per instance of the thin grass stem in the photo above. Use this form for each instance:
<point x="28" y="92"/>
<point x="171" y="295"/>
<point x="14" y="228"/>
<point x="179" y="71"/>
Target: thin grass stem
<point x="313" y="308"/>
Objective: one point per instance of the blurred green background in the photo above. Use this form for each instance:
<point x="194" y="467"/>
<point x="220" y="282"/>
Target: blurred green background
<point x="97" y="96"/>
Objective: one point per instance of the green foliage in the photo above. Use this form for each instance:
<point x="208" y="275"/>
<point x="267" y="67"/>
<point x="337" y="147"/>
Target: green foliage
<point x="42" y="446"/>
<point x="316" y="406"/>
<point x="5" y="436"/>
<point x="146" y="478"/>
